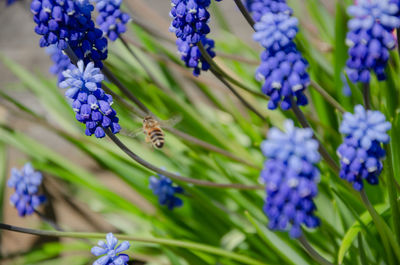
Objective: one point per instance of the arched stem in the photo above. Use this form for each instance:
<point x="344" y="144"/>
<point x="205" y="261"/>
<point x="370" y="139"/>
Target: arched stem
<point x="244" y="102"/>
<point x="159" y="241"/>
<point x="197" y="182"/>
<point x="312" y="252"/>
<point x="244" y="12"/>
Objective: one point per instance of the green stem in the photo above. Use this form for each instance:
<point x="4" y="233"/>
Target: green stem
<point x="244" y="12"/>
<point x="312" y="252"/>
<point x="363" y="257"/>
<point x="197" y="182"/>
<point x="367" y="95"/>
<point x="379" y="224"/>
<point x="218" y="69"/>
<point x="160" y="241"/>
<point x="241" y="99"/>
<point x="392" y="192"/>
<point x="327" y="97"/>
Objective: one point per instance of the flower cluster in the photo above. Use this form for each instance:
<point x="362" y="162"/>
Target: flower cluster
<point x="258" y="8"/>
<point x="282" y="68"/>
<point x="26" y="183"/>
<point x="190" y="24"/>
<point x="91" y="104"/>
<point x="61" y="62"/>
<point x="111" y="19"/>
<point x="111" y="251"/>
<point x="191" y="54"/>
<point x="361" y="152"/>
<point x="291" y="178"/>
<point x="69" y="23"/>
<point x="370" y="38"/>
<point x="165" y="190"/>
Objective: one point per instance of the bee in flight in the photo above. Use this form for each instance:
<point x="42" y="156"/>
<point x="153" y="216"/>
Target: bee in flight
<point x="152" y="130"/>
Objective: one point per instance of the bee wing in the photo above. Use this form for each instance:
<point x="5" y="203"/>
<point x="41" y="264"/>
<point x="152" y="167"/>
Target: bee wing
<point x="171" y="122"/>
<point x="132" y="134"/>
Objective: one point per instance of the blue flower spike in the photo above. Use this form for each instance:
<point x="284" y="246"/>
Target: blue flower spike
<point x="26" y="183"/>
<point x="190" y="25"/>
<point x="283" y="69"/>
<point x="361" y="152"/>
<point x="291" y="179"/>
<point x="89" y="101"/>
<point x="111" y="251"/>
<point x="69" y="23"/>
<point x="111" y="19"/>
<point x="370" y="38"/>
<point x="164" y="188"/>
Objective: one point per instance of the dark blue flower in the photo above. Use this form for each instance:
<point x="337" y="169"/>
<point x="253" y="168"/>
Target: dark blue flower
<point x="285" y="75"/>
<point x="370" y="38"/>
<point x="283" y="69"/>
<point x="164" y="188"/>
<point x="361" y="153"/>
<point x="111" y="19"/>
<point x="91" y="104"/>
<point x="61" y="62"/>
<point x="26" y="183"/>
<point x="68" y="23"/>
<point x="191" y="54"/>
<point x="190" y="25"/>
<point x="291" y="179"/>
<point x="111" y="251"/>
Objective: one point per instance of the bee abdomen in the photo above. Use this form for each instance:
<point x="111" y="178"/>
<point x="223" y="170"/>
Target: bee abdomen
<point x="157" y="138"/>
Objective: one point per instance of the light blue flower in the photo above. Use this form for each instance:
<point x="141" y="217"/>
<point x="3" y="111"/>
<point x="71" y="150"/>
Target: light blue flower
<point x="89" y="101"/>
<point x="294" y="145"/>
<point x="366" y="126"/>
<point x="275" y="30"/>
<point x="110" y="250"/>
<point x="361" y="152"/>
<point x="26" y="184"/>
<point x="291" y="179"/>
<point x="367" y="12"/>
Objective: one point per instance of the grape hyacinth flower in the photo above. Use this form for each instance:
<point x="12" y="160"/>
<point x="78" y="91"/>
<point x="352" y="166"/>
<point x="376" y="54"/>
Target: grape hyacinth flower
<point x="191" y="54"/>
<point x="291" y="178"/>
<point x="61" y="62"/>
<point x="282" y="68"/>
<point x="370" y="38"/>
<point x="285" y="77"/>
<point x="275" y="31"/>
<point x="110" y="250"/>
<point x="361" y="153"/>
<point x="164" y="188"/>
<point x="69" y="23"/>
<point x="111" y="19"/>
<point x="258" y="8"/>
<point x="26" y="183"/>
<point x="90" y="103"/>
<point x="190" y="25"/>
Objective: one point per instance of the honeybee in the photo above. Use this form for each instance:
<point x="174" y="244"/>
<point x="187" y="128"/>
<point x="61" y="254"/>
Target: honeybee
<point x="152" y="129"/>
<point x="154" y="133"/>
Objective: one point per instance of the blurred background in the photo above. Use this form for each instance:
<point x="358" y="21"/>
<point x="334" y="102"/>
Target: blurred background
<point x="19" y="43"/>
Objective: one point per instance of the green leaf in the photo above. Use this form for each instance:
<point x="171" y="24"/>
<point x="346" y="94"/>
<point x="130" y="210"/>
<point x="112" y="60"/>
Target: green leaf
<point x="356" y="228"/>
